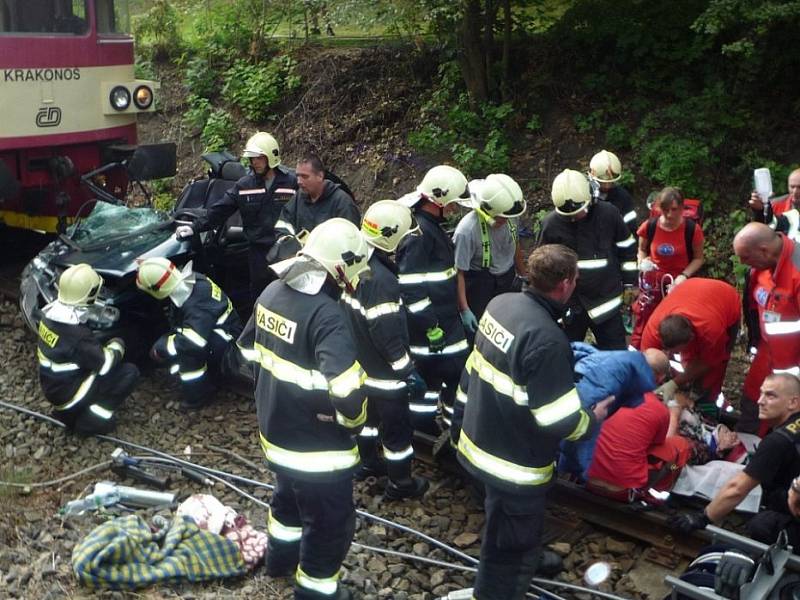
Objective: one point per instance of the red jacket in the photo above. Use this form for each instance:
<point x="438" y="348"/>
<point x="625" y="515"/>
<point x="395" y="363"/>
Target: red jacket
<point x="776" y="297"/>
<point x="711" y="306"/>
<point x="782" y="204"/>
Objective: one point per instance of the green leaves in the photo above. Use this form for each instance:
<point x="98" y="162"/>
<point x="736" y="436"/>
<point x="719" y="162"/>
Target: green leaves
<point x="254" y="88"/>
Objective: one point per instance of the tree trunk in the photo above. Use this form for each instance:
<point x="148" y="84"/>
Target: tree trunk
<point x="471" y="54"/>
<point x="505" y="73"/>
<point x="490" y="16"/>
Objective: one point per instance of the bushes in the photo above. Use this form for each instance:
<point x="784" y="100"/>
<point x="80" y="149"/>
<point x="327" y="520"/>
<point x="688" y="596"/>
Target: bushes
<point x="255" y="88"/>
<point x="219" y="131"/>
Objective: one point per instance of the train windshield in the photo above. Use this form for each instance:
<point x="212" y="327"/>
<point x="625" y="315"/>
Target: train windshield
<point x="62" y="17"/>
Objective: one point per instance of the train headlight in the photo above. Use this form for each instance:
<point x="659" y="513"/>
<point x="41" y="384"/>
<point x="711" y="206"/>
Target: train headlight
<point x="120" y="98"/>
<point x="143" y="97"/>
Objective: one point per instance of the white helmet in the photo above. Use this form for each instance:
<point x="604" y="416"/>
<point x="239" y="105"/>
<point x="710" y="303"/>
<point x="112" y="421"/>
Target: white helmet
<point x="444" y="184"/>
<point x="263" y="144"/>
<point x="605" y="167"/>
<point x="387" y="222"/>
<point x="79" y="285"/>
<point x="497" y="196"/>
<point x="338" y="246"/>
<point x="158" y="277"/>
<point x="570" y="192"/>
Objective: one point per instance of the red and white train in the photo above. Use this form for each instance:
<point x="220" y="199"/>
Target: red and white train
<point x="68" y="106"/>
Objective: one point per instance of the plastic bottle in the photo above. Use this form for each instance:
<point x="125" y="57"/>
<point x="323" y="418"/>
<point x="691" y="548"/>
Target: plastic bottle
<point x="105" y="497"/>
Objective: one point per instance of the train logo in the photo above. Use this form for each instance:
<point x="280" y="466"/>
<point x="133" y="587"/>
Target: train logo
<point x="48" y="116"/>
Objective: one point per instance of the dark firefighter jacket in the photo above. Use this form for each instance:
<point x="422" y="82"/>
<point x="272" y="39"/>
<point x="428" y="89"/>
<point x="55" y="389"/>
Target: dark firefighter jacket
<point x="428" y="285"/>
<point x="622" y="201"/>
<point x="70" y="359"/>
<point x="309" y="395"/>
<point x="606" y="256"/>
<point x="206" y="312"/>
<point x="259" y="205"/>
<point x="520" y="400"/>
<point x="301" y="213"/>
<point x="378" y="320"/>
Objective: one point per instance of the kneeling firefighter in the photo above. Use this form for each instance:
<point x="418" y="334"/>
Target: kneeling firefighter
<point x="378" y="318"/>
<point x="310" y="405"/>
<point x="85" y="379"/>
<point x="204" y="327"/>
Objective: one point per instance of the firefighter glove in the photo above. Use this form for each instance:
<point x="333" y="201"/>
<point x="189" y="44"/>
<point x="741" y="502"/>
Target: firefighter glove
<point x="733" y="571"/>
<point x="469" y="320"/>
<point x="183" y="231"/>
<point x="435" y="337"/>
<point x="689" y="522"/>
<point x="416" y="386"/>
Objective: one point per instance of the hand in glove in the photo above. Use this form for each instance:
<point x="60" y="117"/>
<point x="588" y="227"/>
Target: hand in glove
<point x="666" y="391"/>
<point x="733" y="571"/>
<point x="435" y="337"/>
<point x="469" y="321"/>
<point x="688" y="522"/>
<point x="416" y="386"/>
<point x="183" y="231"/>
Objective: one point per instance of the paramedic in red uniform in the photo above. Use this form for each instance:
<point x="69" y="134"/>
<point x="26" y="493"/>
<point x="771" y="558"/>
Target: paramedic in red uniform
<point x="773" y="297"/>
<point x="699" y="321"/>
<point x="781" y="204"/>
<point x="673" y="245"/>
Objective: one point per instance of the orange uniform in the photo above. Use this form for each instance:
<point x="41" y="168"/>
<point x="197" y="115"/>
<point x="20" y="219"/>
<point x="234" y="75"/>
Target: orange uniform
<point x="775" y="294"/>
<point x="714" y="310"/>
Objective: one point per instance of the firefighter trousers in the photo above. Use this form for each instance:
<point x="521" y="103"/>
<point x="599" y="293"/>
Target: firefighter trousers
<point x="311" y="525"/>
<point x="389" y="425"/>
<point x="609" y="335"/>
<point x="95" y="413"/>
<point x="260" y="273"/>
<point x="511" y="545"/>
<point x="441" y="374"/>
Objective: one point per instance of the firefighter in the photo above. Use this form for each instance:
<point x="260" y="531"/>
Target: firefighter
<point x="520" y="402"/>
<point x="488" y="255"/>
<point x="605" y="171"/>
<point x="259" y="197"/>
<point x="310" y="405"/>
<point x="772" y="310"/>
<point x="204" y="327"/>
<point x="429" y="289"/>
<point x="379" y="324"/>
<point x="85" y="379"/>
<point x="606" y="259"/>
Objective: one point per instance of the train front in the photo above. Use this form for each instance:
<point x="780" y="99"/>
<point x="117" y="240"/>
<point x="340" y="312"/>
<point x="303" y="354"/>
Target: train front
<point x="68" y="105"/>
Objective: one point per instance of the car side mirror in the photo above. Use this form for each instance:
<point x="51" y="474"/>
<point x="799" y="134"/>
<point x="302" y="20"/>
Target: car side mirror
<point x="153" y="161"/>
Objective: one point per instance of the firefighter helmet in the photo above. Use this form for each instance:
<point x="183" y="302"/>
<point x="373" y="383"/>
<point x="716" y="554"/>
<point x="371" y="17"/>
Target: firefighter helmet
<point x="263" y="144"/>
<point x="444" y="184"/>
<point x="158" y="277"/>
<point x="497" y="196"/>
<point x="79" y="285"/>
<point x="570" y="192"/>
<point x="338" y="246"/>
<point x="387" y="222"/>
<point x="605" y="167"/>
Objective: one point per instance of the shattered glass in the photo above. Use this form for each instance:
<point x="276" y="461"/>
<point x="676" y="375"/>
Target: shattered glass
<point x="110" y="222"/>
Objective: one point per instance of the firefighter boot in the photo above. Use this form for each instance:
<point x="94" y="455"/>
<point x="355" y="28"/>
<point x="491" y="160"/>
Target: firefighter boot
<point x="372" y="465"/>
<point x="402" y="484"/>
<point x="550" y="564"/>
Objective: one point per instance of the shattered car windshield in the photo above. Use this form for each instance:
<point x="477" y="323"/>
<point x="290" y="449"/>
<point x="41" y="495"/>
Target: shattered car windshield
<point x="109" y="221"/>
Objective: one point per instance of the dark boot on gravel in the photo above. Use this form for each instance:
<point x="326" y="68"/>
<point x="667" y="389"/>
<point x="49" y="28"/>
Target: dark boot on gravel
<point x="413" y="487"/>
<point x="550" y="564"/>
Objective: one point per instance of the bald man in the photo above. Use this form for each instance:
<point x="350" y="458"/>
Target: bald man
<point x="772" y="311"/>
<point x="782" y="213"/>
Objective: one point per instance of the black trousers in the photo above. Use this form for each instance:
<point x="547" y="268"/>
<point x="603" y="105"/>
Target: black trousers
<point x="260" y="273"/>
<point x="323" y="515"/>
<point x="95" y="413"/>
<point x="609" y="335"/>
<point x="392" y="418"/>
<point x="482" y="286"/>
<point x="766" y="525"/>
<point x="511" y="545"/>
<point x="442" y="374"/>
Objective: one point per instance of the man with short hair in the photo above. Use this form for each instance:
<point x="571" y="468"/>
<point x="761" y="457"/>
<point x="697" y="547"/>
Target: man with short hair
<point x="318" y="200"/>
<point x="698" y="321"/>
<point x="781" y="204"/>
<point x="772" y="309"/>
<point x="519" y="402"/>
<point x="258" y="196"/>
<point x="773" y="466"/>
